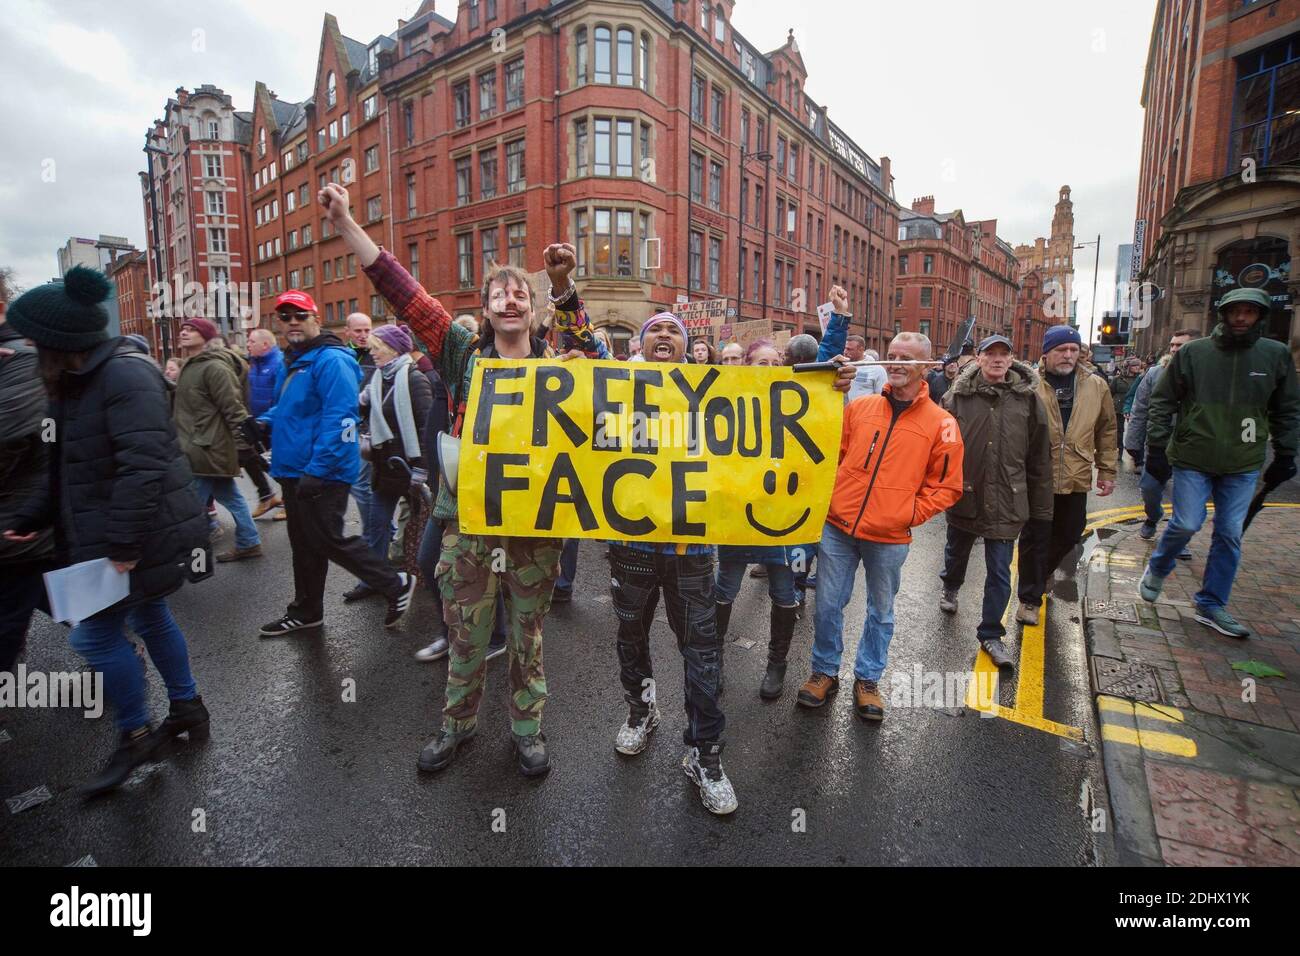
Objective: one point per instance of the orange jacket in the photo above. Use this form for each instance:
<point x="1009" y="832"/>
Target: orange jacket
<point x="895" y="473"/>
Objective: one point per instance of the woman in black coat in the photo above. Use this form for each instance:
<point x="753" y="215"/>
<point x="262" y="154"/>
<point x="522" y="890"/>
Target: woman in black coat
<point x="119" y="489"/>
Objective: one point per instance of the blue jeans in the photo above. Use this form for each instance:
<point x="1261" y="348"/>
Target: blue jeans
<point x="838" y="558"/>
<point x="102" y="641"/>
<point x="377" y="523"/>
<point x="227" y="494"/>
<point x="1153" y="493"/>
<point x="360" y="491"/>
<point x="997" y="577"/>
<point x="780" y="583"/>
<point x="568" y="566"/>
<point x="1232" y="495"/>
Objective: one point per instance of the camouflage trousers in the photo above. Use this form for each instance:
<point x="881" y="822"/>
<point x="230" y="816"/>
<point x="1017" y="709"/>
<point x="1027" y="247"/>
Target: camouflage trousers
<point x="470" y="570"/>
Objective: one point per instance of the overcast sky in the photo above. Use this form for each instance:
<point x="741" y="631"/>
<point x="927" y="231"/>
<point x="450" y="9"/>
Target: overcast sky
<point x="989" y="106"/>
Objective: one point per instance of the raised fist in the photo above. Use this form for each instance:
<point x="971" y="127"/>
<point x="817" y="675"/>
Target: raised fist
<point x="839" y="300"/>
<point x="560" y="259"/>
<point x="334" y="199"/>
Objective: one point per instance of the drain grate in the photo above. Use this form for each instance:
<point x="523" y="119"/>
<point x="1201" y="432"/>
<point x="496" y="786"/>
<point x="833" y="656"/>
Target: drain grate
<point x="1128" y="679"/>
<point x="1125" y="611"/>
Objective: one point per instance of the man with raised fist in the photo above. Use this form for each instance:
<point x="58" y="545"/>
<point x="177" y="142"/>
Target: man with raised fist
<point x="473" y="568"/>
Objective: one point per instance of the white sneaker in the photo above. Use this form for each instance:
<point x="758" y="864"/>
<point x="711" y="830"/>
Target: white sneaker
<point x="705" y="770"/>
<point x="634" y="734"/>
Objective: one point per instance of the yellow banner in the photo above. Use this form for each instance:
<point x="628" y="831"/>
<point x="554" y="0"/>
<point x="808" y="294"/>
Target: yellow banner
<point x="648" y="451"/>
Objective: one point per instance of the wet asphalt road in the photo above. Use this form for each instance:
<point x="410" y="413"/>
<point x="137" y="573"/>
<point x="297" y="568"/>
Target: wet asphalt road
<point x="295" y="775"/>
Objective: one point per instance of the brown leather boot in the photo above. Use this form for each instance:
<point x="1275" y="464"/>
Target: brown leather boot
<point x="867" y="700"/>
<point x="816" y="689"/>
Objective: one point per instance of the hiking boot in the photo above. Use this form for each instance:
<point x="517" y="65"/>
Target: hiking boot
<point x="266" y="504"/>
<point x="240" y="554"/>
<point x="948" y="601"/>
<point x="435" y="651"/>
<point x="441" y="750"/>
<point x="400" y="603"/>
<point x="287" y="625"/>
<point x="1147" y="531"/>
<point x="134" y="748"/>
<point x="998" y="652"/>
<point x="634" y="733"/>
<point x="533" y="758"/>
<point x="867" y="700"/>
<point x="1149" y="587"/>
<point x="188" y="717"/>
<point x="1027" y="613"/>
<point x="1223" y="622"/>
<point x="816" y="689"/>
<point x="704" y="766"/>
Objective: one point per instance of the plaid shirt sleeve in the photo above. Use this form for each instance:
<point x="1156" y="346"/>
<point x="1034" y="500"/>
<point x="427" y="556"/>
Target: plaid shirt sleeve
<point x="447" y="343"/>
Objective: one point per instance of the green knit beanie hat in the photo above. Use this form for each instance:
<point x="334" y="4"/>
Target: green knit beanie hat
<point x="66" y="316"/>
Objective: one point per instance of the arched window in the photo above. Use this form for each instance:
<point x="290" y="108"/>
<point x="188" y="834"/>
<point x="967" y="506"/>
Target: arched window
<point x="331" y="90"/>
<point x="645" y="61"/>
<point x="624" y="57"/>
<point x="603" y="55"/>
<point x="580" y="59"/>
<point x="720" y="25"/>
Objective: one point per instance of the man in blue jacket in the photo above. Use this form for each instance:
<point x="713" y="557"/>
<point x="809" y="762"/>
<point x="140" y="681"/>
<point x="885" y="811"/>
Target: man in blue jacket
<point x="315" y="455"/>
<point x="264" y="363"/>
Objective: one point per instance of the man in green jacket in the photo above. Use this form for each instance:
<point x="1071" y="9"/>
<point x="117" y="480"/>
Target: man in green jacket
<point x="209" y="409"/>
<point x="1230" y="393"/>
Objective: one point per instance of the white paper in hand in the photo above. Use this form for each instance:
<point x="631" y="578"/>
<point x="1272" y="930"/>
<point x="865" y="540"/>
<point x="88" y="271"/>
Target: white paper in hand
<point x="824" y="315"/>
<point x="81" y="590"/>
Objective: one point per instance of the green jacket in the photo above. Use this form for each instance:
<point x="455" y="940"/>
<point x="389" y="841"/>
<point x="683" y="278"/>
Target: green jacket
<point x="209" y="409"/>
<point x="1230" y="395"/>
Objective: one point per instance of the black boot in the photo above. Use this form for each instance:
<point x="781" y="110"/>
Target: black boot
<point x="778" y="646"/>
<point x="184" y="717"/>
<point x="533" y="758"/>
<point x="134" y="748"/>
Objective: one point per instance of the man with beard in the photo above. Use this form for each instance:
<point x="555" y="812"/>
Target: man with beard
<point x="315" y="457"/>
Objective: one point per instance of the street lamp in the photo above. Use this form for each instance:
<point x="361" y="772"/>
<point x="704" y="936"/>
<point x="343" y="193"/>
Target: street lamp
<point x="1096" y="266"/>
<point x="764" y="157"/>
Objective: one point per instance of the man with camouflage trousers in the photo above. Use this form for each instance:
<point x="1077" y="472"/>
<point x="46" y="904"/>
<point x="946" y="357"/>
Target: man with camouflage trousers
<point x="472" y="568"/>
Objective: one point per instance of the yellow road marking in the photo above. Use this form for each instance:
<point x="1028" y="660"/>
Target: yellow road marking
<point x="1155" y="712"/>
<point x="1029" y="688"/>
<point x="1152" y="740"/>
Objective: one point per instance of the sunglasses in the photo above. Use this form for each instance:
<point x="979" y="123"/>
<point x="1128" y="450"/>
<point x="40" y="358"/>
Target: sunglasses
<point x="299" y="315"/>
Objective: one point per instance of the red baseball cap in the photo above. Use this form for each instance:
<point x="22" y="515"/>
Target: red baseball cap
<point x="298" y="299"/>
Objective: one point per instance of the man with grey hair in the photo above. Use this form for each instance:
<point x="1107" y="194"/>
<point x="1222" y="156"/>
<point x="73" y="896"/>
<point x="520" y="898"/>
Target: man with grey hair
<point x="801" y="348"/>
<point x="900" y="465"/>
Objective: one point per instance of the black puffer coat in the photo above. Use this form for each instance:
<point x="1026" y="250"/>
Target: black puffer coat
<point x="119" y="488"/>
<point x="24" y="458"/>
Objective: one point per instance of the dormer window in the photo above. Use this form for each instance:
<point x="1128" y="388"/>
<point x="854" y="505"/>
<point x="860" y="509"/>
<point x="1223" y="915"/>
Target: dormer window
<point x="719" y="26"/>
<point x="372" y="58"/>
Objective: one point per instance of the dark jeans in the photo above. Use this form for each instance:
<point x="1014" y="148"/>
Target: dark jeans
<point x="568" y="566"/>
<point x="22" y="591"/>
<point x="316" y="538"/>
<point x="252" y="463"/>
<point x="997" y="577"/>
<point x="687" y="584"/>
<point x="1041" y="554"/>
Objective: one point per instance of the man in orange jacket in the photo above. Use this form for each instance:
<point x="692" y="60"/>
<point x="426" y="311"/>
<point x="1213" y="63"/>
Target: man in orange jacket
<point x="900" y="465"/>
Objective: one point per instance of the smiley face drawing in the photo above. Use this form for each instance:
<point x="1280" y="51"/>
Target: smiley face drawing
<point x="769" y="486"/>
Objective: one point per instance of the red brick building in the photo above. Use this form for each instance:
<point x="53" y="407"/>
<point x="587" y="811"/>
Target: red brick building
<point x="932" y="293"/>
<point x="621" y="129"/>
<point x="1030" y="315"/>
<point x="195" y="196"/>
<point x="1219" y="185"/>
<point x="130" y="273"/>
<point x="994" y="282"/>
<point x="335" y="135"/>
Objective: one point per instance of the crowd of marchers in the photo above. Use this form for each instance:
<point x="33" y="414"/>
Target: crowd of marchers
<point x="105" y="455"/>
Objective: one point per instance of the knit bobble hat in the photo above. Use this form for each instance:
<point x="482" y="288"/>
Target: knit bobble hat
<point x="64" y="315"/>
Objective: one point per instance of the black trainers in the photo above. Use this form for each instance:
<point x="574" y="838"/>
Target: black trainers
<point x="134" y="748"/>
<point x="400" y="603"/>
<point x="287" y="625"/>
<point x="358" y="592"/>
<point x="998" y="652"/>
<point x="494" y="649"/>
<point x="533" y="758"/>
<point x="439" y="752"/>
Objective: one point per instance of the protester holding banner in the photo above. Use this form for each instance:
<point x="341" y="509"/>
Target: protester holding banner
<point x="900" y="465"/>
<point x="472" y="568"/>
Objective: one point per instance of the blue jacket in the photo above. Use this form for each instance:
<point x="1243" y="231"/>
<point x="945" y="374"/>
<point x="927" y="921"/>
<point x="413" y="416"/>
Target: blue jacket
<point x="263" y="373"/>
<point x="315" y="421"/>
